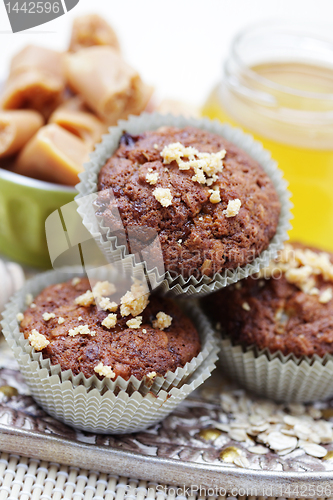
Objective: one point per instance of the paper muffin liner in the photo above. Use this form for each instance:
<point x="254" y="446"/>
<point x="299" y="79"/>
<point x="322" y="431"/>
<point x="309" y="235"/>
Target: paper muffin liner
<point x="275" y="376"/>
<point x="103" y="405"/>
<point x="168" y="285"/>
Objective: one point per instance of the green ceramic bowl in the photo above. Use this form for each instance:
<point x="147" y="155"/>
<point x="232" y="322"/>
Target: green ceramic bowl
<point x="24" y="206"/>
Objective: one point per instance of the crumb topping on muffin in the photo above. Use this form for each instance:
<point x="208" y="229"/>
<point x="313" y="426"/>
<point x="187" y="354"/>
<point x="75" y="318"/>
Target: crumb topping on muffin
<point x="134" y="322"/>
<point x="110" y="321"/>
<point x="233" y="208"/>
<point x="19" y="317"/>
<point x="104" y="371"/>
<point x="37" y="340"/>
<point x="164" y="196"/>
<point x="162" y="321"/>
<point x="134" y="301"/>
<point x="89" y="336"/>
<point x="205" y="165"/>
<point x="152" y="177"/>
<point x="301" y="266"/>
<point x="287" y="307"/>
<point x="47" y="316"/>
<point x="326" y="296"/>
<point x="215" y="196"/>
<point x="106" y="304"/>
<point x="86" y="299"/>
<point x="103" y="289"/>
<point x="81" y="330"/>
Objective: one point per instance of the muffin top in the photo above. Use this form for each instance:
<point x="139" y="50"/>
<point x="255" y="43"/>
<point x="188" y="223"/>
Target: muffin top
<point x="288" y="307"/>
<point x="142" y="336"/>
<point x="211" y="204"/>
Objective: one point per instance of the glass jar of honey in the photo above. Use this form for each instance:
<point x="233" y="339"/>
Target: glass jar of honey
<point x="278" y="85"/>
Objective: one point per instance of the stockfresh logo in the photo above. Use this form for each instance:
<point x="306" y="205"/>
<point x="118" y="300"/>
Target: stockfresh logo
<point x="28" y="14"/>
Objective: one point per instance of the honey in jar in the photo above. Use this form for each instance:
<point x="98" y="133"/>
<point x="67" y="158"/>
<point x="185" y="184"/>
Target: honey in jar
<point x="278" y="86"/>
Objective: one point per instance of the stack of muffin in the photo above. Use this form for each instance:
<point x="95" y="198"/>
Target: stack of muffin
<point x="208" y="203"/>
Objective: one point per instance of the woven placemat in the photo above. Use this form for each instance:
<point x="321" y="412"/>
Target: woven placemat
<point x="30" y="479"/>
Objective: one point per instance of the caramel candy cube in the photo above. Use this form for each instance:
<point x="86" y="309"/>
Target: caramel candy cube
<point x="108" y="85"/>
<point x="53" y="155"/>
<point x="36" y="81"/>
<point x="16" y="129"/>
<point x="33" y="57"/>
<point x="74" y="103"/>
<point x="90" y="30"/>
<point x="82" y="124"/>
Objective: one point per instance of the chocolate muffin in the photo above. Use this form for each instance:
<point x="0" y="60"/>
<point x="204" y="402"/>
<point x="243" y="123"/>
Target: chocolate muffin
<point x="212" y="206"/>
<point x="288" y="307"/>
<point x="86" y="332"/>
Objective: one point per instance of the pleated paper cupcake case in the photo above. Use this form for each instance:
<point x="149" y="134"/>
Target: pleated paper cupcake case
<point x="278" y="377"/>
<point x="62" y="393"/>
<point x="168" y="285"/>
<point x="105" y="413"/>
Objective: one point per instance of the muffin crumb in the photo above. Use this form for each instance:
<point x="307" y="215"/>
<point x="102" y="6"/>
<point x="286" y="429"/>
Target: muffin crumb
<point x="151" y="178"/>
<point x="215" y="196"/>
<point x="300" y="267"/>
<point x="151" y="375"/>
<point x="110" y="321"/>
<point x="86" y="299"/>
<point x="47" y="316"/>
<point x="37" y="340"/>
<point x="19" y="317"/>
<point x="134" y="301"/>
<point x="105" y="304"/>
<point x="61" y="320"/>
<point x="233" y="208"/>
<point x="246" y="306"/>
<point x="205" y="165"/>
<point x="104" y="371"/>
<point x="163" y="196"/>
<point x="81" y="330"/>
<point x="103" y="288"/>
<point x="176" y="151"/>
<point x="162" y="321"/>
<point x="135" y="322"/>
<point x="75" y="281"/>
<point x="326" y="296"/>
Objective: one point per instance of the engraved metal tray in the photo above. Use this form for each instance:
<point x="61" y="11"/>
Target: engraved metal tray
<point x="176" y="451"/>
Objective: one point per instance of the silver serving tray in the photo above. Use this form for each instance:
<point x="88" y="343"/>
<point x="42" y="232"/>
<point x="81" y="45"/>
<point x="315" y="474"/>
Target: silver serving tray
<point x="172" y="452"/>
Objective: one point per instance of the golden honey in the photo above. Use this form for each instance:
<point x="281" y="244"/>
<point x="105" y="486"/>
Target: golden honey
<point x="288" y="106"/>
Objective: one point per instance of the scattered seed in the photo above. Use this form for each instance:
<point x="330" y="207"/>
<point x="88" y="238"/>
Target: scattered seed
<point x="242" y="462"/>
<point x="315" y="450"/>
<point x="258" y="449"/>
